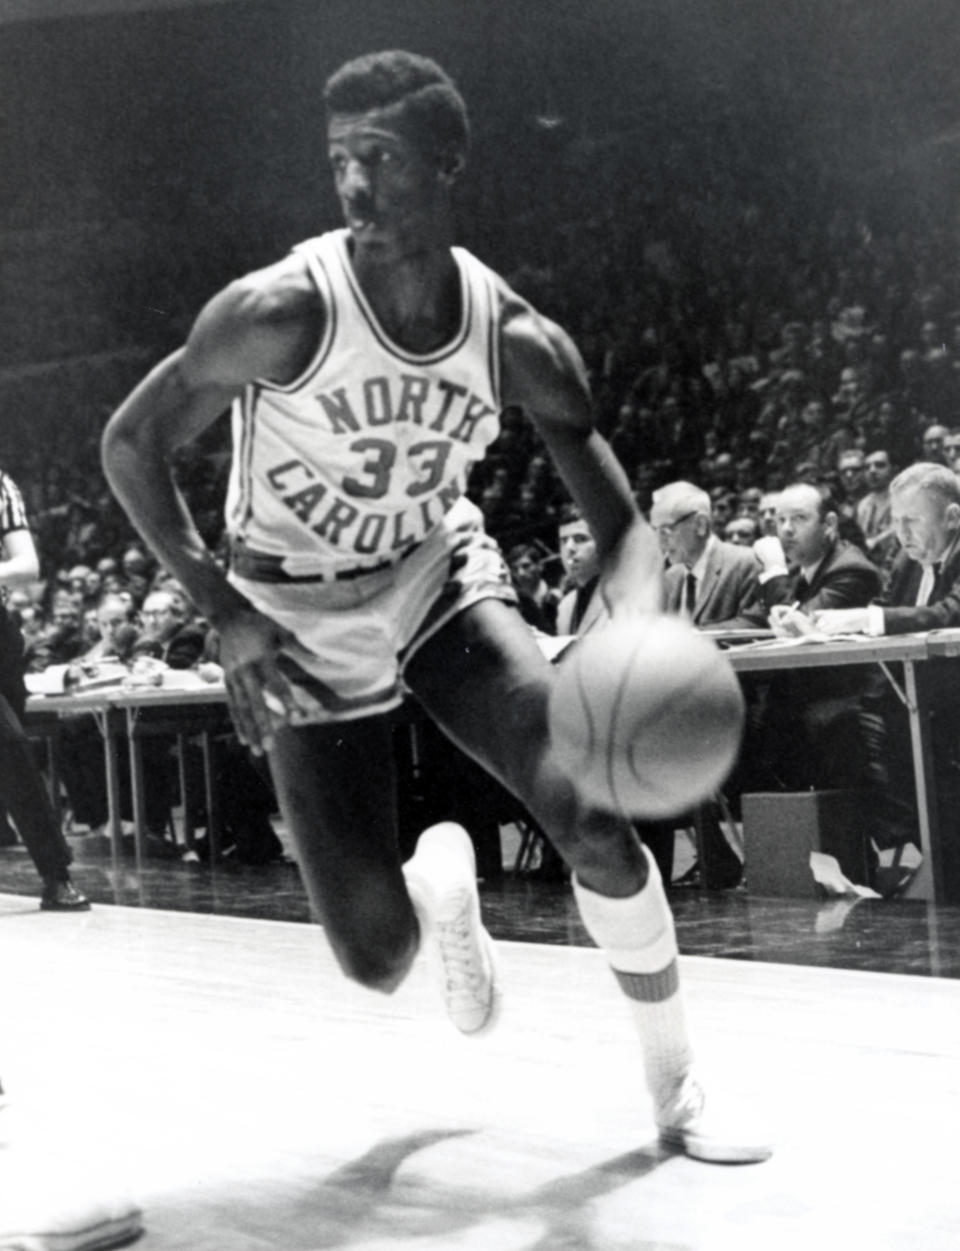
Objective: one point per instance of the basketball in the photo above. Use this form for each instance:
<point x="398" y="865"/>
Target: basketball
<point x="646" y="716"/>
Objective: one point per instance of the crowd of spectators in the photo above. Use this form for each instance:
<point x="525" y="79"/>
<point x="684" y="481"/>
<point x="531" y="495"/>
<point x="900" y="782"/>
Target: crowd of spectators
<point x="730" y="340"/>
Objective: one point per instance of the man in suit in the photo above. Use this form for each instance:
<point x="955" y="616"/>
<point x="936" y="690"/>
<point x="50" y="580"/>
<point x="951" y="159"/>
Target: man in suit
<point x="168" y="634"/>
<point x="923" y="594"/>
<point x="715" y="584"/>
<point x="873" y="509"/>
<point x="809" y="734"/>
<point x="806" y="563"/>
<point x="582" y="608"/>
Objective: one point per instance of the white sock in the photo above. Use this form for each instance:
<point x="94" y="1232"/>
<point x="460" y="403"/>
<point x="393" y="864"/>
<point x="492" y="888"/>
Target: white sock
<point x="638" y="938"/>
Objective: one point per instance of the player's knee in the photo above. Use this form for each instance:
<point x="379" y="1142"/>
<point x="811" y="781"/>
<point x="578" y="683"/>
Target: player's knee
<point x="375" y="965"/>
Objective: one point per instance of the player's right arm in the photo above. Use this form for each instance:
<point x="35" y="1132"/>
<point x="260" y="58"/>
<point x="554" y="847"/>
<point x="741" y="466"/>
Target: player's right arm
<point x="263" y="326"/>
<point x="544" y="375"/>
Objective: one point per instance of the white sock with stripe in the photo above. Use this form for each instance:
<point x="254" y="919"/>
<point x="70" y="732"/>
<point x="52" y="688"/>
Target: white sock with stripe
<point x="637" y="935"/>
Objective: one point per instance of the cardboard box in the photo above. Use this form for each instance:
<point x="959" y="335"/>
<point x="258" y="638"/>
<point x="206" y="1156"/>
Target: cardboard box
<point x="781" y="829"/>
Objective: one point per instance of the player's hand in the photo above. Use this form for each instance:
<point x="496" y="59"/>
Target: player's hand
<point x="631" y="582"/>
<point x="259" y="695"/>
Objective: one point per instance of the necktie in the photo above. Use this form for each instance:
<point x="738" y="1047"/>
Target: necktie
<point x="801" y="590"/>
<point x="927" y="581"/>
<point x="690" y="593"/>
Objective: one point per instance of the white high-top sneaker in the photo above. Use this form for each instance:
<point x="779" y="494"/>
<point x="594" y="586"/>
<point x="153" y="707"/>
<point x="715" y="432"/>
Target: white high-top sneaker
<point x="442" y="879"/>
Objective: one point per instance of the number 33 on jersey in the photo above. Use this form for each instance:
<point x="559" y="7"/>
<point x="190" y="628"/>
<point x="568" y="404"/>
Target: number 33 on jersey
<point x="360" y="457"/>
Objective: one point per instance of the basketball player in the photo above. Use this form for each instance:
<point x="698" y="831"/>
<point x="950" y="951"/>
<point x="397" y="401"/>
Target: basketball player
<point x="366" y="372"/>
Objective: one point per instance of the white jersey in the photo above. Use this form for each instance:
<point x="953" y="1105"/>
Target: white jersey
<point x="361" y="457"/>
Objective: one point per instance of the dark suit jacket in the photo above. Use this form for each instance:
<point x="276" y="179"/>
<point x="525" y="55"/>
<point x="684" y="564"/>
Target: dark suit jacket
<point x="845" y="578"/>
<point x="727" y="594"/>
<point x="595" y="614"/>
<point x="900" y="613"/>
<point x="938" y="680"/>
<point x="182" y="650"/>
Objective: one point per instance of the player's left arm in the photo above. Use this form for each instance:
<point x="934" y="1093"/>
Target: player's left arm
<point x="543" y="374"/>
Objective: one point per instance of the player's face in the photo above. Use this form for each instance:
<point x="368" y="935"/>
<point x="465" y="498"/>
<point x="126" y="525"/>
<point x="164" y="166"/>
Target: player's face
<point x="389" y="190"/>
<point x="578" y="552"/>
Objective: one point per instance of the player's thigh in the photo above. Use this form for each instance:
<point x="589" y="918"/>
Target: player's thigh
<point x="485" y="681"/>
<point x="336" y="786"/>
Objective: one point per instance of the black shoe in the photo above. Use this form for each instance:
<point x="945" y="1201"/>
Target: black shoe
<point x="60" y="895"/>
<point x="724" y="879"/>
<point x="158" y="847"/>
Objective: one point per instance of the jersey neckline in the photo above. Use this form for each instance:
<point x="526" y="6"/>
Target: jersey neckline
<point x="414" y="358"/>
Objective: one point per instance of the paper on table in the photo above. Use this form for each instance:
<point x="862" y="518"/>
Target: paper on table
<point x="799" y="640"/>
<point x="826" y="870"/>
<point x="103" y="673"/>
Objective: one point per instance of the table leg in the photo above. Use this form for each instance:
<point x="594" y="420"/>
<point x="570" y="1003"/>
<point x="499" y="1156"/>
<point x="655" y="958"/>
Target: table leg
<point x="186" y="798"/>
<point x="107" y="727"/>
<point x="136" y="784"/>
<point x="928" y="881"/>
<point x="213" y="808"/>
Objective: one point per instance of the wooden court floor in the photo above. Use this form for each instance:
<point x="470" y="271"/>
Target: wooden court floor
<point x="223" y="1073"/>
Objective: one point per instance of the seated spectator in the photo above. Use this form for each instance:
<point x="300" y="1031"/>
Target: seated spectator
<point x="873" y="509"/>
<point x="850" y="471"/>
<point x="62" y="639"/>
<point x="168" y="634"/>
<point x="136" y="567"/>
<point x="711" y="581"/>
<point x="581" y="609"/>
<point x="768" y="512"/>
<point x="538" y="600"/>
<point x="714" y="584"/>
<point x="809" y="734"/>
<point x="933" y="444"/>
<point x="116" y="632"/>
<point x="748" y="503"/>
<point x="723" y="506"/>
<point x="951" y="450"/>
<point x="742" y="532"/>
<point x="924" y="594"/>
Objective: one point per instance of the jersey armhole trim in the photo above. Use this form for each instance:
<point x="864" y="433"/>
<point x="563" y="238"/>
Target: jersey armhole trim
<point x="318" y="272"/>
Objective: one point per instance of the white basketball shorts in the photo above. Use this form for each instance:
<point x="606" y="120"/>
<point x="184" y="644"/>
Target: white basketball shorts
<point x="355" y="634"/>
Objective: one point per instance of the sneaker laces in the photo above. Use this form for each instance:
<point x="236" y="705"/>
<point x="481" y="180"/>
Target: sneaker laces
<point x="462" y="962"/>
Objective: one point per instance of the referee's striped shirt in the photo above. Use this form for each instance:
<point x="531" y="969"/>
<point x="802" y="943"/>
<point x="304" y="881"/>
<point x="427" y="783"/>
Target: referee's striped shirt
<point x="13" y="514"/>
